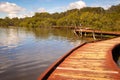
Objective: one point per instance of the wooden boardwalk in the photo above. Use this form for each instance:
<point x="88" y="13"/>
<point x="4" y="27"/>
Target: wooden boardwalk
<point x="97" y="32"/>
<point x="91" y="61"/>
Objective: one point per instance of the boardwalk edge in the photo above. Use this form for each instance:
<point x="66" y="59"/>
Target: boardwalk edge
<point x="50" y="69"/>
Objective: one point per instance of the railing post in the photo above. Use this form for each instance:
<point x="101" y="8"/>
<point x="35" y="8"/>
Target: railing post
<point x="94" y="35"/>
<point x="81" y="33"/>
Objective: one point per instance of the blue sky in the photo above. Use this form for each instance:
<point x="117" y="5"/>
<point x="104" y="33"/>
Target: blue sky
<point x="22" y="8"/>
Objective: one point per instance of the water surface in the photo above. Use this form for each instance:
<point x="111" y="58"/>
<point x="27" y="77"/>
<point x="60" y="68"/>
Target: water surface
<point x="26" y="52"/>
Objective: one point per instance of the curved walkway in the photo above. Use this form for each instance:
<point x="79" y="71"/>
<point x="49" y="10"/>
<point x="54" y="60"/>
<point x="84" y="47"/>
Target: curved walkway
<point x="92" y="61"/>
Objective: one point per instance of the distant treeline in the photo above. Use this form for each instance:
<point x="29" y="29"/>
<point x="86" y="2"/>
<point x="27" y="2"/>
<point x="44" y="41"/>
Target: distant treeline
<point x="91" y="17"/>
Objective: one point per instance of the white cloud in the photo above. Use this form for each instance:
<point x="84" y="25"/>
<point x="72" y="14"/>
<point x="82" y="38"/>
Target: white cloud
<point x="11" y="15"/>
<point x="41" y="10"/>
<point x="25" y="14"/>
<point x="77" y="5"/>
<point x="29" y="14"/>
<point x="10" y="8"/>
<point x="57" y="9"/>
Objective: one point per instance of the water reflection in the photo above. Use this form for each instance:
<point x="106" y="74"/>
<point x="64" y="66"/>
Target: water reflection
<point x="26" y="52"/>
<point x="44" y="33"/>
<point x="12" y="38"/>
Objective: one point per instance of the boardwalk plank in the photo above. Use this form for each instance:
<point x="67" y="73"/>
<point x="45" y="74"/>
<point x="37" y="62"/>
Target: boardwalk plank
<point x="91" y="61"/>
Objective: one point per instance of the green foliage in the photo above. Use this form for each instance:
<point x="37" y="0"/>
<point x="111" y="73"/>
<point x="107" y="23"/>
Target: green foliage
<point x="92" y="17"/>
<point x="93" y="9"/>
<point x="114" y="9"/>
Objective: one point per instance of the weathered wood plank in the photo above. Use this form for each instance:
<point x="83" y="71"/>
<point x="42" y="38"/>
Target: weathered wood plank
<point x="92" y="61"/>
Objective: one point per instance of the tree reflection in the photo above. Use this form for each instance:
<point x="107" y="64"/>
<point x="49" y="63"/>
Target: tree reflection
<point x="45" y="33"/>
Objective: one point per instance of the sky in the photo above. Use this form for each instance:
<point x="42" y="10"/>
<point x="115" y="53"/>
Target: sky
<point x="27" y="8"/>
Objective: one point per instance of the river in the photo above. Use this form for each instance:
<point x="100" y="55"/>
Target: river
<point x="26" y="52"/>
